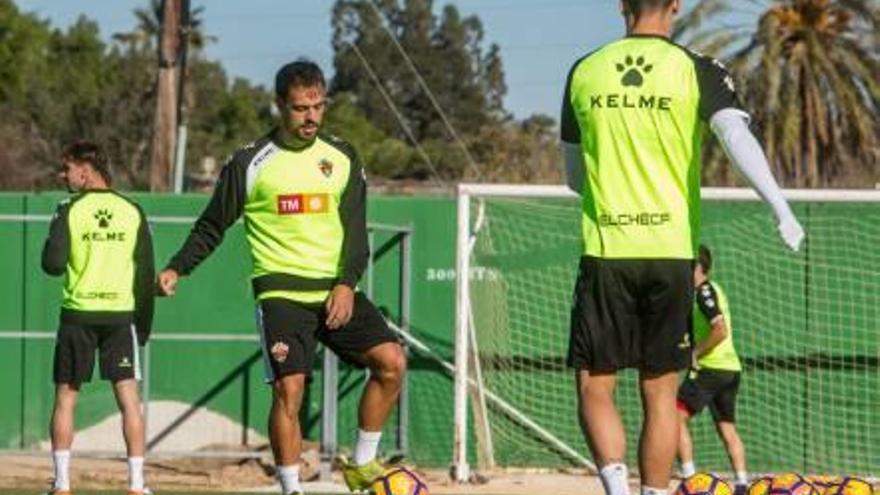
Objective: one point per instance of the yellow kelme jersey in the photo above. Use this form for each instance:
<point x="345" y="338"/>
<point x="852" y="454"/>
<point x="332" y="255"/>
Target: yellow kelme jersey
<point x="101" y="242"/>
<point x="710" y="303"/>
<point x="304" y="213"/>
<point x="636" y="107"/>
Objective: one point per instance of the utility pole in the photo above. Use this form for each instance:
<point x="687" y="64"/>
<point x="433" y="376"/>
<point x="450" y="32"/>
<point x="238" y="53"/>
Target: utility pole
<point x="165" y="121"/>
<point x="182" y="110"/>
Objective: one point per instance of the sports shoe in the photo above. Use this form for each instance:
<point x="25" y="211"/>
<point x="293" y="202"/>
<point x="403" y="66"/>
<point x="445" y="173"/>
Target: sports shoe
<point x="145" y="491"/>
<point x="53" y="491"/>
<point x="740" y="489"/>
<point x="359" y="478"/>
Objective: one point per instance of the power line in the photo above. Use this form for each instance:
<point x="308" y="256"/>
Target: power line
<point x="390" y="102"/>
<point x="455" y="137"/>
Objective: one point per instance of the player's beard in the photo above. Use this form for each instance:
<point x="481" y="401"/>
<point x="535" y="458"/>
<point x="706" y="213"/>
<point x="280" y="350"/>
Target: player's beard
<point x="293" y="136"/>
<point x="308" y="131"/>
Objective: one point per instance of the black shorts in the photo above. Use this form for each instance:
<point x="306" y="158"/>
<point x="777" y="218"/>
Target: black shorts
<point x="632" y="313"/>
<point x="715" y="388"/>
<point x="75" y="348"/>
<point x="290" y="332"/>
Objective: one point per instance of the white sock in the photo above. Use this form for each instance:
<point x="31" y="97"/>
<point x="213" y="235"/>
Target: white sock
<point x="366" y="447"/>
<point x="688" y="469"/>
<point x="62" y="469"/>
<point x="647" y="490"/>
<point x="614" y="479"/>
<point x="742" y="478"/>
<point x="289" y="478"/>
<point x="136" y="473"/>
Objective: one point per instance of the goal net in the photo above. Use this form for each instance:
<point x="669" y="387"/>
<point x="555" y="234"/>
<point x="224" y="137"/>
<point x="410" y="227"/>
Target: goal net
<point x="804" y="324"/>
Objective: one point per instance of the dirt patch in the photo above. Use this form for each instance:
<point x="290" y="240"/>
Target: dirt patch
<point x="34" y="472"/>
<point x="519" y="482"/>
<point x="31" y="472"/>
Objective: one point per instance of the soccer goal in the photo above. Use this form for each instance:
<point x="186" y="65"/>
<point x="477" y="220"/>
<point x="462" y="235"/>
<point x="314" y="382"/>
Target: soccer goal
<point x="806" y="326"/>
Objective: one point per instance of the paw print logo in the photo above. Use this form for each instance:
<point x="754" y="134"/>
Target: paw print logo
<point x="632" y="70"/>
<point x="103" y="217"/>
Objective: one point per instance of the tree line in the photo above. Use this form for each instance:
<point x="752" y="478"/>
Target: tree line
<point x="57" y="85"/>
<point x="420" y="94"/>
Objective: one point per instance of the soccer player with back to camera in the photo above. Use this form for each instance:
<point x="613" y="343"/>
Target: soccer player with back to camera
<point x="715" y="377"/>
<point x="100" y="241"/>
<point x="303" y="196"/>
<point x="631" y="124"/>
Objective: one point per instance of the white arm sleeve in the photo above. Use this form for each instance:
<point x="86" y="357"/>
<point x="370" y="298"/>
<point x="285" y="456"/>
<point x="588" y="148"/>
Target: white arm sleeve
<point x="575" y="168"/>
<point x="731" y="127"/>
<point x="743" y="150"/>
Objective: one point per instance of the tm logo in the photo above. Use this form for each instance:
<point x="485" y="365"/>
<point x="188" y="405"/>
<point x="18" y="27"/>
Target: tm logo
<point x="103" y="217"/>
<point x="632" y="71"/>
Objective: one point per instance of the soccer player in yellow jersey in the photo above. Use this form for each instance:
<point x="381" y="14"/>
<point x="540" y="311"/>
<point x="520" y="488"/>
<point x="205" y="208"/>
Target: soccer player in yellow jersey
<point x="303" y="197"/>
<point x="632" y="122"/>
<point x="100" y="241"/>
<point x="715" y="378"/>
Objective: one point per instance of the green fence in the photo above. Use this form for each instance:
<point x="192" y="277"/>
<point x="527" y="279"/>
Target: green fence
<point x="226" y="376"/>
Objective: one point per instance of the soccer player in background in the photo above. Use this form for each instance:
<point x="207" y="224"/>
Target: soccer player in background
<point x="715" y="379"/>
<point x="631" y="127"/>
<point x="303" y="195"/>
<point x="100" y="241"/>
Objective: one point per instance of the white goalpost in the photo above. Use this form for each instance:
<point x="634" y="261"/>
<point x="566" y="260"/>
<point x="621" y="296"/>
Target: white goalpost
<point x="804" y="323"/>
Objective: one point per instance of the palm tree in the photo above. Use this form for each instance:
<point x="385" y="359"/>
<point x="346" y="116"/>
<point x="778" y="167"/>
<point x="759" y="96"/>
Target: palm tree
<point x="809" y="71"/>
<point x="149" y="22"/>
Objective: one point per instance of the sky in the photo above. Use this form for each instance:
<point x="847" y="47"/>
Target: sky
<point x="539" y="39"/>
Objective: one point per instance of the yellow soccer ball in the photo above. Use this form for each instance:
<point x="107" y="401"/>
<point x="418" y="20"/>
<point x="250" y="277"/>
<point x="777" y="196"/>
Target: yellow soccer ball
<point x="760" y="486"/>
<point x="823" y="481"/>
<point x="849" y="486"/>
<point x="791" y="484"/>
<point x="399" y="481"/>
<point x="703" y="484"/>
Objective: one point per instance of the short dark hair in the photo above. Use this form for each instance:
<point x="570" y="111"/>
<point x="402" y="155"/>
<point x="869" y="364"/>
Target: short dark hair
<point x="636" y="7"/>
<point x="302" y="72"/>
<point x="88" y="152"/>
<point x="705" y="259"/>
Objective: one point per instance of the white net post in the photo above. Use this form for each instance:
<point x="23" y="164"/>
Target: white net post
<point x="460" y="468"/>
<point x="466" y="334"/>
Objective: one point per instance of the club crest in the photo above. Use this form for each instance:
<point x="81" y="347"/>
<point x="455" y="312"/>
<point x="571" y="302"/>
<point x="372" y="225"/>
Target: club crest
<point x="279" y="351"/>
<point x="326" y="167"/>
